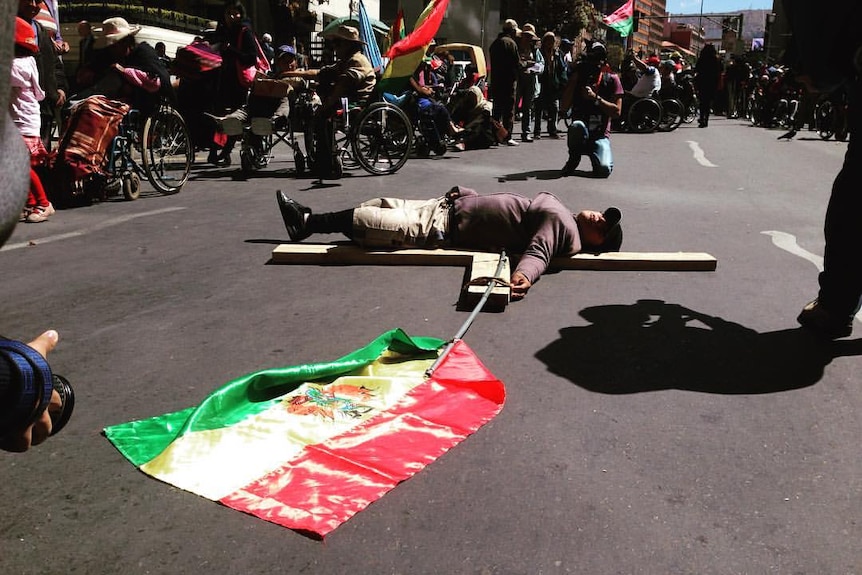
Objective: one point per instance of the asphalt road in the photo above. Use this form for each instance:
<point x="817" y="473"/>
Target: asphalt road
<point x="655" y="422"/>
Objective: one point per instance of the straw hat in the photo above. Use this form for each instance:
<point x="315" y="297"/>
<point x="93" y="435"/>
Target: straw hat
<point x="343" y="32"/>
<point x="529" y="31"/>
<point x="511" y="26"/>
<point x="112" y="31"/>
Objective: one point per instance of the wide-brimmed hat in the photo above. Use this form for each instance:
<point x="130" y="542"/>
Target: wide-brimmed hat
<point x="343" y="32"/>
<point x="25" y="37"/>
<point x="529" y="31"/>
<point x="511" y="26"/>
<point x="112" y="31"/>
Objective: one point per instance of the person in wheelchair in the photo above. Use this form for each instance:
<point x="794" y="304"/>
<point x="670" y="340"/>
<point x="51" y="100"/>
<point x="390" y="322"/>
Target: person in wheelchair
<point x="270" y="98"/>
<point x="647" y="79"/>
<point x="126" y="70"/>
<point x="350" y="77"/>
<point x="427" y="87"/>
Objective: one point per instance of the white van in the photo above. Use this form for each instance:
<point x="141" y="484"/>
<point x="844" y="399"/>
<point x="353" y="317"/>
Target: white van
<point x="148" y="34"/>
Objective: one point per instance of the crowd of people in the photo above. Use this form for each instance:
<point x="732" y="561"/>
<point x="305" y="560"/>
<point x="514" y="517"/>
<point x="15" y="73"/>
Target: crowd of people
<point x="235" y="75"/>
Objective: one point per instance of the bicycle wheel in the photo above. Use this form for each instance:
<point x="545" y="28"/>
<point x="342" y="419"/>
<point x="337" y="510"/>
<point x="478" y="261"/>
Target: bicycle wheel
<point x="644" y="115"/>
<point x="167" y="150"/>
<point x="382" y="138"/>
<point x="671" y="115"/>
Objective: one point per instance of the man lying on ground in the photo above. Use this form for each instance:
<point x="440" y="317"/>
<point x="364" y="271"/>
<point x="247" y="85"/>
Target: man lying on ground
<point x="538" y="229"/>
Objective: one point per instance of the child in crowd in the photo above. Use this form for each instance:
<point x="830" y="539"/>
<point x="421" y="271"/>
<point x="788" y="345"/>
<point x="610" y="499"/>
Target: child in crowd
<point x="24" y="109"/>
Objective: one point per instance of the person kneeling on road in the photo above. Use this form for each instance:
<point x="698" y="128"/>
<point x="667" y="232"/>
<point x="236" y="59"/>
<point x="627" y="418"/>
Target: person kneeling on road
<point x="592" y="98"/>
<point x="539" y="229"/>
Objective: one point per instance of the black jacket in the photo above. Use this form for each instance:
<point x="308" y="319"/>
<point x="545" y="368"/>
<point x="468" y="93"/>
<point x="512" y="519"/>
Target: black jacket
<point x="51" y="75"/>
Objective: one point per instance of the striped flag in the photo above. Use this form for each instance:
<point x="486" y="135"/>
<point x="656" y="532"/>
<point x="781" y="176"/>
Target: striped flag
<point x="406" y="54"/>
<point x="397" y="31"/>
<point x="370" y="48"/>
<point x="622" y="20"/>
<point x="309" y="446"/>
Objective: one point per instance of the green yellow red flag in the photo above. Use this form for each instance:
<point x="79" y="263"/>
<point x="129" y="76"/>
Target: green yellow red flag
<point x="309" y="446"/>
<point x="406" y="54"/>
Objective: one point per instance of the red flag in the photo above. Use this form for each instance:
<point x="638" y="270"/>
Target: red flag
<point x="422" y="35"/>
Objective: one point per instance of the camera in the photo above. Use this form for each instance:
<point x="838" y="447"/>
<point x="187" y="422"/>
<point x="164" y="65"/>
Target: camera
<point x="28" y="390"/>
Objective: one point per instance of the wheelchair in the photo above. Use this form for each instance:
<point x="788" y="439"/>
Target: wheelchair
<point x="261" y="134"/>
<point x="376" y="136"/>
<point x="157" y="147"/>
<point x="645" y="115"/>
<point x="426" y="138"/>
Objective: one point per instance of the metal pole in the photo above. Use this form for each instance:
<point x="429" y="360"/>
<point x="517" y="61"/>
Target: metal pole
<point x="492" y="282"/>
<point x="700" y="29"/>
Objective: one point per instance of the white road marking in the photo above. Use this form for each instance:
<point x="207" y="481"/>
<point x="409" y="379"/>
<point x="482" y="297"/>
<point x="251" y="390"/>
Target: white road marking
<point x="787" y="242"/>
<point x="699" y="155"/>
<point x="101" y="225"/>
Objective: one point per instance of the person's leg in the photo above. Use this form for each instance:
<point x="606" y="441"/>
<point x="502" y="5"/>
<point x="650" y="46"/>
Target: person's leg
<point x="552" y="107"/>
<point x="601" y="157"/>
<point x="576" y="140"/>
<point x="508" y="111"/>
<point x="41" y="208"/>
<point x="393" y="222"/>
<point x="831" y="314"/>
<point x="527" y="102"/>
<point x="705" y="106"/>
<point x="538" y="112"/>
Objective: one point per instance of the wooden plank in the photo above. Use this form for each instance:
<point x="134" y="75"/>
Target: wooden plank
<point x="484" y="266"/>
<point x="638" y="261"/>
<point x="351" y="254"/>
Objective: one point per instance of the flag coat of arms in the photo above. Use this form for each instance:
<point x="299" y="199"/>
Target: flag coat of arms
<point x="309" y="446"/>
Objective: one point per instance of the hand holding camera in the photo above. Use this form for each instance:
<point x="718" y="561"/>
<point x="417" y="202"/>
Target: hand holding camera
<point x="34" y="402"/>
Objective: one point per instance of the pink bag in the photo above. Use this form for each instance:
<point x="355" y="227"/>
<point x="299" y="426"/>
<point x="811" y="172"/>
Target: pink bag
<point x="246" y="76"/>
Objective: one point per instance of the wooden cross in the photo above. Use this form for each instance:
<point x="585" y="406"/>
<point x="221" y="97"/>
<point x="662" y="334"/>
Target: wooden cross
<point x="484" y="264"/>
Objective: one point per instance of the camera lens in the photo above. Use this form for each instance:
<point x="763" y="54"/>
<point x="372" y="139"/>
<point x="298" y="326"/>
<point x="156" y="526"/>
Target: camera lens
<point x="60" y="418"/>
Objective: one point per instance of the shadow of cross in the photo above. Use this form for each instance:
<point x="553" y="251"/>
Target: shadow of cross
<point x="483" y="265"/>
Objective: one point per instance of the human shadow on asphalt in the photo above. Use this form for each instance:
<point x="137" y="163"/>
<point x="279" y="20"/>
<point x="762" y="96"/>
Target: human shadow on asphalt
<point x="652" y="345"/>
<point x="524" y="176"/>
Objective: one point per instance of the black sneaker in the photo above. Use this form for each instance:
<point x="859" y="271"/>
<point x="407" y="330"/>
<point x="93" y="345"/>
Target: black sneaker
<point x="823" y="322"/>
<point x="294" y="216"/>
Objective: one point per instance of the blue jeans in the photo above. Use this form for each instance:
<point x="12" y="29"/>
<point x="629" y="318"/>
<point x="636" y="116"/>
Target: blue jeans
<point x="599" y="150"/>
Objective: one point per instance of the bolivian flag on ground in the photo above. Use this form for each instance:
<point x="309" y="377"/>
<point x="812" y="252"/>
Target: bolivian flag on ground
<point x="309" y="446"/>
<point x="406" y="54"/>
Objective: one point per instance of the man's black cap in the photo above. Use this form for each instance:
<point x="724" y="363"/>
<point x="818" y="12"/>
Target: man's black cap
<point x="614" y="235"/>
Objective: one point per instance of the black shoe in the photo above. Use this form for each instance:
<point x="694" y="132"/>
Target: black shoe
<point x="823" y="322"/>
<point x="294" y="216"/>
<point x="218" y="158"/>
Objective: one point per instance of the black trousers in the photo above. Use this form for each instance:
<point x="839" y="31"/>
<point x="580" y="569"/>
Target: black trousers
<point x="841" y="279"/>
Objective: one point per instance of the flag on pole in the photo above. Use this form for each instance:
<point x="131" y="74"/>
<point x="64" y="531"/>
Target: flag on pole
<point x="370" y="48"/>
<point x="397" y="32"/>
<point x="406" y="54"/>
<point x="622" y="20"/>
<point x="309" y="446"/>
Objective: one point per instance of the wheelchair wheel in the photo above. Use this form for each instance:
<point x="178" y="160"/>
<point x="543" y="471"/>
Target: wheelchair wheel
<point x="824" y="118"/>
<point x="644" y="115"/>
<point x="382" y="138"/>
<point x="671" y="115"/>
<point x="167" y="150"/>
<point x="131" y="186"/>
